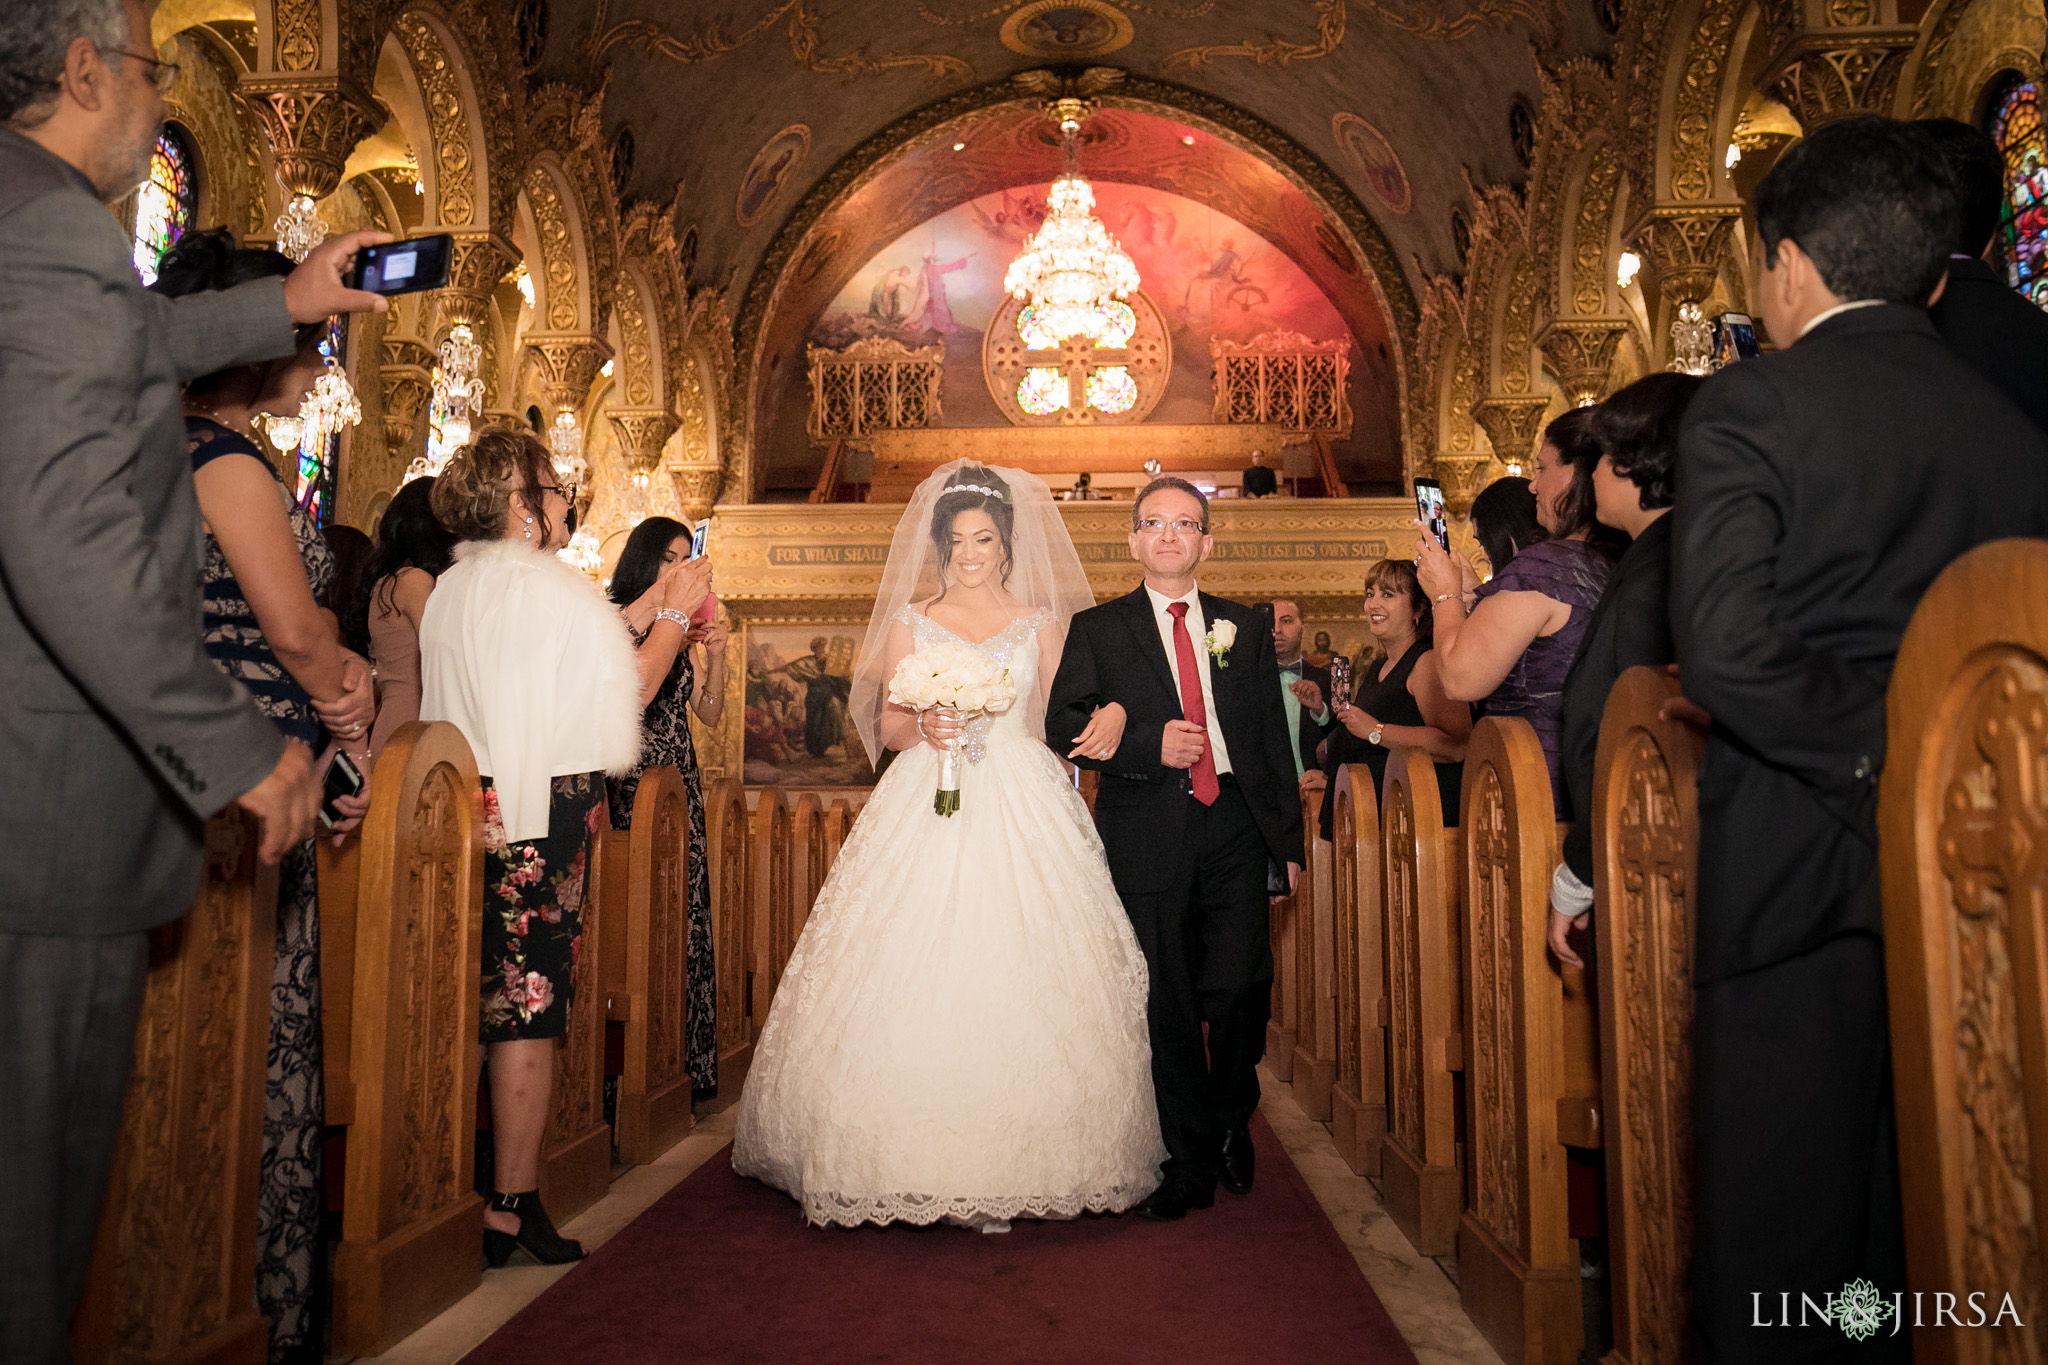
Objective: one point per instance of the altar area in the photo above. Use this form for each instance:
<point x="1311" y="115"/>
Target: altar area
<point x="798" y="583"/>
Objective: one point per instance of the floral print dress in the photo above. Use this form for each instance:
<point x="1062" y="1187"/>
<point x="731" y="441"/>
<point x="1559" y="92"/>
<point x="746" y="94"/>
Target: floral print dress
<point x="666" y="740"/>
<point x="533" y="912"/>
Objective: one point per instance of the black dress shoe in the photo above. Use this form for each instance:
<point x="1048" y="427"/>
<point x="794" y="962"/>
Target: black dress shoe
<point x="536" y="1233"/>
<point x="1172" y="1200"/>
<point x="1237" y="1161"/>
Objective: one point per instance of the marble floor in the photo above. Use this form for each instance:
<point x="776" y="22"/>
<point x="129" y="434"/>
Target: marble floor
<point x="1417" y="1290"/>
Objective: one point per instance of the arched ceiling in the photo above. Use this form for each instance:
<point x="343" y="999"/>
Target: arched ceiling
<point x="1363" y="86"/>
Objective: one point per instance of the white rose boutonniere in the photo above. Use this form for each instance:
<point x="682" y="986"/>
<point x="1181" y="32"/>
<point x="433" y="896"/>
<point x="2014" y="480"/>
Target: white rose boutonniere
<point x="1222" y="635"/>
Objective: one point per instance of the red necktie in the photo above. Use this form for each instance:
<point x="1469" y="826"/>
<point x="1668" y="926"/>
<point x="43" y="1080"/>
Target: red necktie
<point x="1203" y="774"/>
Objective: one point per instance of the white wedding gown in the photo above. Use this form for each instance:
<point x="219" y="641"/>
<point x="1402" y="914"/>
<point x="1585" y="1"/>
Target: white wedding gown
<point x="961" y="1030"/>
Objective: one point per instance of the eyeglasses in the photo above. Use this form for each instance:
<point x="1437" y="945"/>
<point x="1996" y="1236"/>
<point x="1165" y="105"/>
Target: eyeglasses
<point x="1182" y="526"/>
<point x="565" y="491"/>
<point x="163" y="75"/>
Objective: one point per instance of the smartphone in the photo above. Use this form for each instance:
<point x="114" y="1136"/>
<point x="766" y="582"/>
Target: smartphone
<point x="1429" y="506"/>
<point x="699" y="538"/>
<point x="1734" y="339"/>
<point x="403" y="267"/>
<point x="344" y="778"/>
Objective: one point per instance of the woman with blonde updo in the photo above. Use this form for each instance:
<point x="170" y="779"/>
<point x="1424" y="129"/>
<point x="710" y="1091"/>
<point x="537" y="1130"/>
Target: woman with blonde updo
<point x="519" y="651"/>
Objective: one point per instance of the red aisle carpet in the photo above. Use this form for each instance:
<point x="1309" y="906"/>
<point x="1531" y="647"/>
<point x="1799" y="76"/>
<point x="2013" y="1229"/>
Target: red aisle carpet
<point x="724" y="1269"/>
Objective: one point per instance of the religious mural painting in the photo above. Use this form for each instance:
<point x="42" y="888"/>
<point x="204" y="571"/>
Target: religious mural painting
<point x="2023" y="218"/>
<point x="1205" y="276"/>
<point x="798" y="730"/>
<point x="769" y="172"/>
<point x="1369" y="151"/>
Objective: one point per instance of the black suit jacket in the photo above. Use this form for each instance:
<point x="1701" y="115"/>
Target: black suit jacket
<point x="1308" y="734"/>
<point x="1631" y="626"/>
<point x="1820" y="491"/>
<point x="1999" y="334"/>
<point x="1113" y="654"/>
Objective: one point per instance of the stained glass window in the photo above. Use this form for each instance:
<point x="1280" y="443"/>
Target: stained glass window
<point x="2023" y="219"/>
<point x="1111" y="388"/>
<point x="1120" y="325"/>
<point x="1042" y="391"/>
<point x="165" y="204"/>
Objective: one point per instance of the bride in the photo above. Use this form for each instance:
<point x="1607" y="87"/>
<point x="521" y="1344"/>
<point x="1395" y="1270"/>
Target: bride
<point x="960" y="1033"/>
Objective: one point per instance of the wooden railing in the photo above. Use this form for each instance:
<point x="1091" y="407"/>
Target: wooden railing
<point x="174" y="1269"/>
<point x="807" y="863"/>
<point x="1645" y="841"/>
<point x="1283" y="1029"/>
<point x="653" y="993"/>
<point x="1315" y="974"/>
<point x="1418" y="1161"/>
<point x="576" y="1145"/>
<point x="411" y="1221"/>
<point x="1518" y="1269"/>
<point x="1358" y="1099"/>
<point x="725" y="823"/>
<point x="1963" y="820"/>
<point x="838" y="824"/>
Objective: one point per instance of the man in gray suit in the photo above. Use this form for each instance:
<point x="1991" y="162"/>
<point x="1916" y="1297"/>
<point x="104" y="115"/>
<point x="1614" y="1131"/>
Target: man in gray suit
<point x="118" y="736"/>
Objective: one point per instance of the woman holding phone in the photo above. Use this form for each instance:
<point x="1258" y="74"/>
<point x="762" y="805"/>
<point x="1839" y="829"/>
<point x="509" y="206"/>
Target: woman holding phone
<point x="656" y="582"/>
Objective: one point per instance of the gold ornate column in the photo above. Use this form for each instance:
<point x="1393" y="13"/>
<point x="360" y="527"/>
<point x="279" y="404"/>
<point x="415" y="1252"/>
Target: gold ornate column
<point x="1681" y="249"/>
<point x="408" y="381"/>
<point x="568" y="364"/>
<point x="1839" y="72"/>
<point x="313" y="120"/>
<point x="480" y="260"/>
<point x="1511" y="426"/>
<point x="641" y="433"/>
<point x="1581" y="354"/>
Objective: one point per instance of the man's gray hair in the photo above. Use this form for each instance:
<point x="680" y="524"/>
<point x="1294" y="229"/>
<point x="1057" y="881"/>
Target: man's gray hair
<point x="1160" y="484"/>
<point x="35" y="35"/>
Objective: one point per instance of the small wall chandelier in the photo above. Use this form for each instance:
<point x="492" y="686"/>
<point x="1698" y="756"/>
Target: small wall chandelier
<point x="1071" y="270"/>
<point x="299" y="228"/>
<point x="458" y="391"/>
<point x="565" y="444"/>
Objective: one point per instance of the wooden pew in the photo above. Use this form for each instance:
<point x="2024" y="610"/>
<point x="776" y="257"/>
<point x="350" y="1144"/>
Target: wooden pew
<point x="838" y="824"/>
<point x="770" y="899"/>
<point x="1315" y="974"/>
<point x="1525" y="1097"/>
<point x="173" y="1274"/>
<point x="1358" y="1099"/>
<point x="1645" y="805"/>
<point x="725" y="828"/>
<point x="576" y="1145"/>
<point x="412" y="1225"/>
<point x="1418" y="1160"/>
<point x="807" y="864"/>
<point x="1283" y="1034"/>
<point x="654" y="1087"/>
<point x="1963" y="834"/>
<point x="340" y="874"/>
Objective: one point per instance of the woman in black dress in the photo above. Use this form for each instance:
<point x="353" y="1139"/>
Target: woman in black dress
<point x="263" y="568"/>
<point x="655" y="570"/>
<point x="1398" y="698"/>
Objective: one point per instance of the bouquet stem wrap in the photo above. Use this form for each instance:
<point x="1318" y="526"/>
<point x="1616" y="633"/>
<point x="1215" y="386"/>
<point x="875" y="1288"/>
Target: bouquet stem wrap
<point x="946" y="801"/>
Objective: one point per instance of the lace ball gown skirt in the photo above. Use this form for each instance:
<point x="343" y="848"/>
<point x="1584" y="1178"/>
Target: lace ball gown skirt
<point x="961" y="1031"/>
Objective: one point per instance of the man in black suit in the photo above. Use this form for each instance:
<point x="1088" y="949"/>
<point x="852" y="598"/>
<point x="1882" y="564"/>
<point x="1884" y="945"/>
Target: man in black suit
<point x="1820" y="491"/>
<point x="1172" y="695"/>
<point x="1304" y="688"/>
<point x="1982" y="318"/>
<point x="1260" y="481"/>
<point x="1636" y="432"/>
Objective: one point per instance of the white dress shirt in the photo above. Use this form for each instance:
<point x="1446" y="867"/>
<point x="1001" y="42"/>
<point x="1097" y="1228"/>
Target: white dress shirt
<point x="1198" y="626"/>
<point x="536" y="669"/>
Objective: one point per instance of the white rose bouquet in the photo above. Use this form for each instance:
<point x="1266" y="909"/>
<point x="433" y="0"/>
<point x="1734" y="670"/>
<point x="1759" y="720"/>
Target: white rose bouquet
<point x="956" y="678"/>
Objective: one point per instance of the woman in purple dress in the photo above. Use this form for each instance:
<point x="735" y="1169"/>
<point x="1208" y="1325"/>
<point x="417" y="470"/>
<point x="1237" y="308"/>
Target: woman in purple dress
<point x="1510" y="642"/>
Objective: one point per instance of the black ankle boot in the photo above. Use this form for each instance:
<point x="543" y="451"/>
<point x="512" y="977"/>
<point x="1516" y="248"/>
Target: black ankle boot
<point x="536" y="1233"/>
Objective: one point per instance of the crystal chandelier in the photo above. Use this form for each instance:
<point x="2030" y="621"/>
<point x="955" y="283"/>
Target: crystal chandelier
<point x="1071" y="270"/>
<point x="458" y="390"/>
<point x="1692" y="341"/>
<point x="565" y="444"/>
<point x="582" y="553"/>
<point x="299" y="228"/>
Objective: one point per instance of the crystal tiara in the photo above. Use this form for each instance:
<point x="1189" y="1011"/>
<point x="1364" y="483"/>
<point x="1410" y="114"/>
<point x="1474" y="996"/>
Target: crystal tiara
<point x="998" y="494"/>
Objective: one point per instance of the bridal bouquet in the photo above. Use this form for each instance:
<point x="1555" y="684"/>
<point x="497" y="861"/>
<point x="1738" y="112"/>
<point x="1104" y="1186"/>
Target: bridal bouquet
<point x="958" y="678"/>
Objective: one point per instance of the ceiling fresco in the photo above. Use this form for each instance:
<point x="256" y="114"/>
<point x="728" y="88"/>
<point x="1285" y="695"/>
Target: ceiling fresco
<point x="740" y="108"/>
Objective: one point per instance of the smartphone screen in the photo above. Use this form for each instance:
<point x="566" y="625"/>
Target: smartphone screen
<point x="1429" y="506"/>
<point x="699" y="537"/>
<point x="404" y="267"/>
<point x="1734" y="339"/>
<point x="343" y="779"/>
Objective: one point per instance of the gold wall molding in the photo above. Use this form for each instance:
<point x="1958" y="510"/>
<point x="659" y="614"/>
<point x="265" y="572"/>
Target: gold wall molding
<point x="806" y="47"/>
<point x="313" y="123"/>
<point x="1835" y="75"/>
<point x="1581" y="355"/>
